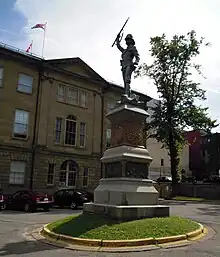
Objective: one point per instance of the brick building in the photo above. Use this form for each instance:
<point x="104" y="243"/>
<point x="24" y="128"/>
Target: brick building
<point x="53" y="129"/>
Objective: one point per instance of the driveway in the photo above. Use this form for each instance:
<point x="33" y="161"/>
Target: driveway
<point x="14" y="227"/>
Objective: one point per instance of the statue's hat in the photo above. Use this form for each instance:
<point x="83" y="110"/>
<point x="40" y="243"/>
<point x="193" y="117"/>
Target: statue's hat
<point x="129" y="37"/>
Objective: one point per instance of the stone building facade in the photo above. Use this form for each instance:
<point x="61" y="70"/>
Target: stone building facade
<point x="53" y="129"/>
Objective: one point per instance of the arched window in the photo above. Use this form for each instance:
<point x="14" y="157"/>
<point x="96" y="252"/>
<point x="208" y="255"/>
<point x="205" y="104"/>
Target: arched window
<point x="70" y="130"/>
<point x="68" y="173"/>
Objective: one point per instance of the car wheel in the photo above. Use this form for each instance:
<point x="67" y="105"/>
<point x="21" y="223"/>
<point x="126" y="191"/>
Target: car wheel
<point x="46" y="209"/>
<point x="27" y="207"/>
<point x="73" y="206"/>
<point x="4" y="206"/>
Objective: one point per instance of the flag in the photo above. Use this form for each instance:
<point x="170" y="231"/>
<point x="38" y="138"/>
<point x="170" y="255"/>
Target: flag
<point x="39" y="26"/>
<point x="29" y="48"/>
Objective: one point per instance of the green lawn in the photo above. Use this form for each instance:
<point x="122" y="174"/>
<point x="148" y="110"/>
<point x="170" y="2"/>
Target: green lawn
<point x="186" y="198"/>
<point x="95" y="227"/>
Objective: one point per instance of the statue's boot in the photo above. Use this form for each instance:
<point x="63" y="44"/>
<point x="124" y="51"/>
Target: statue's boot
<point x="127" y="89"/>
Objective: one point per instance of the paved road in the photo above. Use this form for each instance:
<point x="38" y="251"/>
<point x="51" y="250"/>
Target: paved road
<point x="13" y="242"/>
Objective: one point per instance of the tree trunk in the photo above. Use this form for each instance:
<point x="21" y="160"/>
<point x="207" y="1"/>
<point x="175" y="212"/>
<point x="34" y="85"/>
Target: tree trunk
<point x="174" y="162"/>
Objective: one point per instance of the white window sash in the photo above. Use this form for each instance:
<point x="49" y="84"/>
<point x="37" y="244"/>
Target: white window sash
<point x="70" y="132"/>
<point x="17" y="173"/>
<point x="83" y="98"/>
<point x="72" y="96"/>
<point x="21" y="122"/>
<point x="25" y="83"/>
<point x="58" y="129"/>
<point x="61" y="93"/>
<point x="51" y="174"/>
<point x="83" y="133"/>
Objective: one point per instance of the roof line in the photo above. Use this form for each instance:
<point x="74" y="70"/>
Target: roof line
<point x="20" y="51"/>
<point x="42" y="60"/>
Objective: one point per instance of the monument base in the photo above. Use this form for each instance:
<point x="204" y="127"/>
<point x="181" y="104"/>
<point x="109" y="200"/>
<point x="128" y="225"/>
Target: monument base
<point x="126" y="199"/>
<point x="127" y="213"/>
<point x="126" y="191"/>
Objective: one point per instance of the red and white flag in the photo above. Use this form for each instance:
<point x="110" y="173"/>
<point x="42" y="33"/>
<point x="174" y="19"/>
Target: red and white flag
<point x="39" y="26"/>
<point x="29" y="48"/>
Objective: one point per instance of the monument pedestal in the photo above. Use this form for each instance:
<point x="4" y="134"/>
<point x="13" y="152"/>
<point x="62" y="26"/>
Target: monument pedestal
<point x="125" y="192"/>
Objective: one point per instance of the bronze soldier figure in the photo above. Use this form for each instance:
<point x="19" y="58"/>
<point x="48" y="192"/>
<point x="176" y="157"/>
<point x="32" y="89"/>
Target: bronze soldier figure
<point x="127" y="64"/>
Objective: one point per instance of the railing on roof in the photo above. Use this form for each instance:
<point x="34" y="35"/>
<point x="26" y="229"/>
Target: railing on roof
<point x="20" y="51"/>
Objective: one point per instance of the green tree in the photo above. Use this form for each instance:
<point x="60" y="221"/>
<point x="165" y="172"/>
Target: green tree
<point x="171" y="71"/>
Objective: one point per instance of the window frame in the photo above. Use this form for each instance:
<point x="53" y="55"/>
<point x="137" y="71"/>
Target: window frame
<point x="110" y="106"/>
<point x="85" y="177"/>
<point x="53" y="173"/>
<point x="25" y="86"/>
<point x="77" y="96"/>
<point x="17" y="172"/>
<point x="86" y="98"/>
<point x="64" y="93"/>
<point x="85" y="134"/>
<point x="14" y="135"/>
<point x="108" y="140"/>
<point x="1" y="78"/>
<point x="56" y="131"/>
<point x="67" y="172"/>
<point x="65" y="132"/>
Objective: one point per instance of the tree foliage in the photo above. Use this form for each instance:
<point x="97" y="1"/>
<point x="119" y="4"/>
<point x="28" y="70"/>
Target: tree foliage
<point x="171" y="71"/>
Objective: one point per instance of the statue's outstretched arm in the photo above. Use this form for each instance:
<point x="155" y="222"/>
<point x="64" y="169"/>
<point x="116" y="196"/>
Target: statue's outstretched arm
<point x="119" y="45"/>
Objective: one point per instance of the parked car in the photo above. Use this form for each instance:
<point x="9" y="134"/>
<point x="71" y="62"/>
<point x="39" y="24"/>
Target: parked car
<point x="212" y="179"/>
<point x="1" y="200"/>
<point x="189" y="179"/>
<point x="164" y="179"/>
<point x="28" y="201"/>
<point x="72" y="198"/>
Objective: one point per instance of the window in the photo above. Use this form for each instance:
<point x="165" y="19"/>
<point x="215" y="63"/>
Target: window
<point x="1" y="76"/>
<point x="21" y="124"/>
<point x="68" y="171"/>
<point x="70" y="133"/>
<point x="58" y="129"/>
<point x="17" y="173"/>
<point x="83" y="98"/>
<point x="72" y="96"/>
<point x="108" y="137"/>
<point x="85" y="177"/>
<point x="25" y="83"/>
<point x="110" y="106"/>
<point x="50" y="174"/>
<point x="82" y="139"/>
<point x="61" y="93"/>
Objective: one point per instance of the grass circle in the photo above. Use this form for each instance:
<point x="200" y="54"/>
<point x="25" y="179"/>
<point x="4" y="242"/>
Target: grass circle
<point x="92" y="226"/>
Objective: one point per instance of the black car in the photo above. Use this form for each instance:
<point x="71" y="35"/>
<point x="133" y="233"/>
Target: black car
<point x="164" y="179"/>
<point x="28" y="201"/>
<point x="72" y="198"/>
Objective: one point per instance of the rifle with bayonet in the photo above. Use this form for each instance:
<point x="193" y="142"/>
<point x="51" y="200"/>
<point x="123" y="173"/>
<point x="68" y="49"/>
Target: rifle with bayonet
<point x="119" y="34"/>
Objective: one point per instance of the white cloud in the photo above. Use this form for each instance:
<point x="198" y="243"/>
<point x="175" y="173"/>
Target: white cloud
<point x="87" y="29"/>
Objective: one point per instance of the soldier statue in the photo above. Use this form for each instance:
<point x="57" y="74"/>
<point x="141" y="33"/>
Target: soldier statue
<point x="127" y="63"/>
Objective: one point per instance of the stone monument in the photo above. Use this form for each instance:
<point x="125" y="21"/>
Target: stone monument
<point x="125" y="192"/>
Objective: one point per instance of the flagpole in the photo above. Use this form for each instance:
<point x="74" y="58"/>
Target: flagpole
<point x="31" y="46"/>
<point x="44" y="39"/>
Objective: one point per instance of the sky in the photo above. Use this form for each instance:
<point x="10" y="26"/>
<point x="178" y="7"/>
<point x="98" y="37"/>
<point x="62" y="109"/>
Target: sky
<point x="87" y="29"/>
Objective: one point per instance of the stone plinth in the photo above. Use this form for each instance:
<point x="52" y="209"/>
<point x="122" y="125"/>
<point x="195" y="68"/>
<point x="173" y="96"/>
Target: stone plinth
<point x="125" y="191"/>
<point x="126" y="161"/>
<point x="126" y="213"/>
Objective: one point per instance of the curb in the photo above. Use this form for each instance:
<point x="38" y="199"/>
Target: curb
<point x="191" y="236"/>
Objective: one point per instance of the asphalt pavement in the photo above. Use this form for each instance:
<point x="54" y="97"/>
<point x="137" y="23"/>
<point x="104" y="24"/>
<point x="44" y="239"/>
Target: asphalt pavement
<point x="16" y="241"/>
